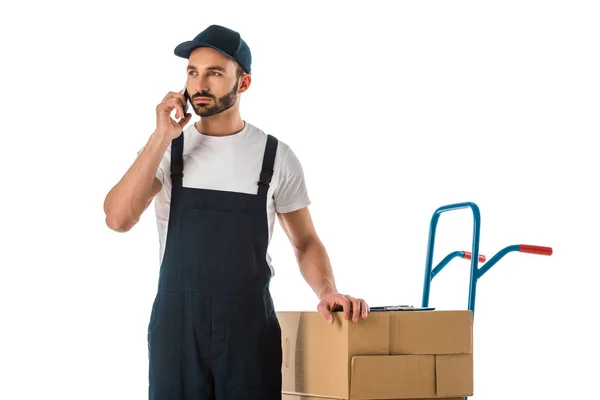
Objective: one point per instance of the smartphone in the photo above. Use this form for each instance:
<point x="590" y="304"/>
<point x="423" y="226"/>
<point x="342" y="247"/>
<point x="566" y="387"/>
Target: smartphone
<point x="187" y="100"/>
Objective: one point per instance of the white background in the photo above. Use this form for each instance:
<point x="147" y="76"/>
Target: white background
<point x="393" y="112"/>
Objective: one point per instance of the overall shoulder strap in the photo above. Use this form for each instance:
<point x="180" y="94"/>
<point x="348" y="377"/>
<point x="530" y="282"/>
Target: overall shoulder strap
<point x="177" y="161"/>
<point x="266" y="174"/>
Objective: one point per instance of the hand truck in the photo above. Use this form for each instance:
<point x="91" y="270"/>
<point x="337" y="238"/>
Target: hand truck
<point x="474" y="256"/>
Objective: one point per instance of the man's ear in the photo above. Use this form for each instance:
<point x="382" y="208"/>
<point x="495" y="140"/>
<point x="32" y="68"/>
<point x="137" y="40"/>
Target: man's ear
<point x="245" y="81"/>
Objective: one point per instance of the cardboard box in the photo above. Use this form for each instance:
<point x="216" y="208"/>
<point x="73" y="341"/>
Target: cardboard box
<point x="295" y="397"/>
<point x="389" y="355"/>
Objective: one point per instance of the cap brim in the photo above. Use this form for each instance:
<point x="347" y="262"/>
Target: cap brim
<point x="185" y="49"/>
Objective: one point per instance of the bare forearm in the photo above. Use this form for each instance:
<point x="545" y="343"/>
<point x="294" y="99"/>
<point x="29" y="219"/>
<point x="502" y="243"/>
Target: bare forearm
<point x="315" y="267"/>
<point x="128" y="199"/>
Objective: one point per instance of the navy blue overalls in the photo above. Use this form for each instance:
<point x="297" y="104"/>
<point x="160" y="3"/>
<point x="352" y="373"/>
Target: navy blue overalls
<point x="213" y="332"/>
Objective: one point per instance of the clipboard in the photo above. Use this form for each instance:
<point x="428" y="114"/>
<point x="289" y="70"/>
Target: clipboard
<point x="399" y="308"/>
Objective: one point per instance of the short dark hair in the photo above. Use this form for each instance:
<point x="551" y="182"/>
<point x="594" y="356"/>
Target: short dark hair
<point x="239" y="71"/>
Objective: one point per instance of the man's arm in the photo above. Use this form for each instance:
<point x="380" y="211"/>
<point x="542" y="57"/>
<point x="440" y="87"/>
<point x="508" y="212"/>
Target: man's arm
<point x="128" y="199"/>
<point x="315" y="266"/>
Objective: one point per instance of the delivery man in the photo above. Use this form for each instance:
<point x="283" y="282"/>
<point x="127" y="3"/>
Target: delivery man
<point x="218" y="184"/>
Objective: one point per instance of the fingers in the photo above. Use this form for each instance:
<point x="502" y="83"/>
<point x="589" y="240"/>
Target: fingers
<point x="184" y="120"/>
<point x="356" y="308"/>
<point x="359" y="308"/>
<point x="346" y="304"/>
<point x="173" y="103"/>
<point x="178" y="105"/>
<point x="352" y="307"/>
<point x="174" y="95"/>
<point x="174" y="100"/>
<point x="323" y="308"/>
<point x="364" y="308"/>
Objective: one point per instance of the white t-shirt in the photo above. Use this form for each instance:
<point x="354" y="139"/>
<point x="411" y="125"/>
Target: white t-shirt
<point x="232" y="163"/>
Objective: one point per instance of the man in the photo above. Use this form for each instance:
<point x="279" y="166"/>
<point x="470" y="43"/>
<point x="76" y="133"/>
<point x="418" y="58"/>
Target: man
<point x="213" y="332"/>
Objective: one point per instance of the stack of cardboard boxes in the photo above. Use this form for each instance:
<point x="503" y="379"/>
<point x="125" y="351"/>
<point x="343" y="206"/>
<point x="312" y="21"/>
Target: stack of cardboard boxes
<point x="389" y="355"/>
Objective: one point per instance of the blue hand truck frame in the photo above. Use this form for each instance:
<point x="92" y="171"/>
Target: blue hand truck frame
<point x="476" y="272"/>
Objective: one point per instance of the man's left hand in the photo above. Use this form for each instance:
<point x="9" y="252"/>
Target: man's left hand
<point x="351" y="306"/>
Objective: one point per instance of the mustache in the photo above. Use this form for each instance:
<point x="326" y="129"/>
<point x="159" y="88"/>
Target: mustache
<point x="203" y="94"/>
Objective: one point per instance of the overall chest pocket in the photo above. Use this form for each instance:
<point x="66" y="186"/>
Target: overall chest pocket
<point x="218" y="245"/>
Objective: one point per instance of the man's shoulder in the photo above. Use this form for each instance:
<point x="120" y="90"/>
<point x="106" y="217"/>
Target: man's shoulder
<point x="261" y="135"/>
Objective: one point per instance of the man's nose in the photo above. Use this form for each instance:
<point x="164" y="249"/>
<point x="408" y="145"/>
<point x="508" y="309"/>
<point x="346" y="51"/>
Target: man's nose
<point x="201" y="85"/>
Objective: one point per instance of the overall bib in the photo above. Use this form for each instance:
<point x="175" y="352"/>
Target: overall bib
<point x="213" y="332"/>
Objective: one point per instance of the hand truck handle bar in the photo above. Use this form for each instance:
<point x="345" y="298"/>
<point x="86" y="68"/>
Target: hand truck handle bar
<point x="467" y="256"/>
<point x="541" y="250"/>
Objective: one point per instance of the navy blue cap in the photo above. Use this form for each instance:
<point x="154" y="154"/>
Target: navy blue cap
<point x="222" y="39"/>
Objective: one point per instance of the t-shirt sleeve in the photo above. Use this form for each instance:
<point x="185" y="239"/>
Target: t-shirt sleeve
<point x="164" y="168"/>
<point x="291" y="193"/>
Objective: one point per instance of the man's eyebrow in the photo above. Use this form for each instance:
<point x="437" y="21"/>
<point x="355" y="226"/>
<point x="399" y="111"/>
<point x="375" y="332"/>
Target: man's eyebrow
<point x="216" y="68"/>
<point x="211" y="68"/>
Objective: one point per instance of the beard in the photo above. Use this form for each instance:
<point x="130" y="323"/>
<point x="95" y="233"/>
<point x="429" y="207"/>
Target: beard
<point x="219" y="105"/>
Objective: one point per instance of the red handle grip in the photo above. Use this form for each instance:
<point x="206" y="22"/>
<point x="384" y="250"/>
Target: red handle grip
<point x="527" y="248"/>
<point x="468" y="256"/>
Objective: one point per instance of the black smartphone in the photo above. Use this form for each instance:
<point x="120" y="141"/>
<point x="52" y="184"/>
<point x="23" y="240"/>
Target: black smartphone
<point x="187" y="100"/>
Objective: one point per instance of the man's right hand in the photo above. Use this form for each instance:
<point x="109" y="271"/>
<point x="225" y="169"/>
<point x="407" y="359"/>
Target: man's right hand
<point x="128" y="199"/>
<point x="164" y="123"/>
